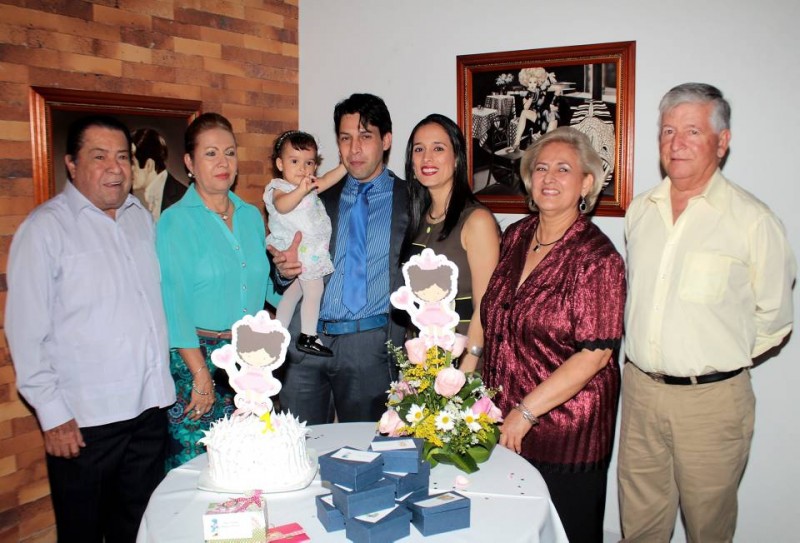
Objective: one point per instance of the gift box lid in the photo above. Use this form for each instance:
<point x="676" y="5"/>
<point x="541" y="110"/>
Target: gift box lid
<point x="399" y="453"/>
<point x="350" y="460"/>
<point x="383" y="516"/>
<point x="406" y="482"/>
<point x="424" y="472"/>
<point x="412" y="496"/>
<point x="402" y="446"/>
<point x="438" y="503"/>
<point x="380" y="526"/>
<point x="379" y="491"/>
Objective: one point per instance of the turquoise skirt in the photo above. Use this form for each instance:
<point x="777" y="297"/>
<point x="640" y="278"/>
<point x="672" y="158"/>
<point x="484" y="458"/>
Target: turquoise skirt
<point x="183" y="432"/>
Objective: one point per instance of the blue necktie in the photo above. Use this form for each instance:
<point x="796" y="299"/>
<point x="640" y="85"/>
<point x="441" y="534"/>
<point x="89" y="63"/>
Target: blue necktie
<point x="355" y="260"/>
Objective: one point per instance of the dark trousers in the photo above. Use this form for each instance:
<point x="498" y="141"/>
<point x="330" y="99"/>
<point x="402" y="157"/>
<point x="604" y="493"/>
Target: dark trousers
<point x="353" y="381"/>
<point x="580" y="499"/>
<point x="104" y="491"/>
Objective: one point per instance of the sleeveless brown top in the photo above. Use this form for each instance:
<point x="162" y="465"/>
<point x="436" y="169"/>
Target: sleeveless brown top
<point x="428" y="237"/>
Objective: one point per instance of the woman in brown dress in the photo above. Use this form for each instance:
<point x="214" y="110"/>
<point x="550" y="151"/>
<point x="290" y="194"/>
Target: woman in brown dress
<point x="447" y="218"/>
<point x="553" y="313"/>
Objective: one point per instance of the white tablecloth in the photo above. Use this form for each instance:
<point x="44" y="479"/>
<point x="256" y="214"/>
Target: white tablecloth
<point x="510" y="502"/>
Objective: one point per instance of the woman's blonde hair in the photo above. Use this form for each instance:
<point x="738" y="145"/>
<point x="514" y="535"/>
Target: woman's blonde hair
<point x="589" y="161"/>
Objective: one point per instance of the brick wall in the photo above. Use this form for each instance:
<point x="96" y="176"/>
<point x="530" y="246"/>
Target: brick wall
<point x="239" y="57"/>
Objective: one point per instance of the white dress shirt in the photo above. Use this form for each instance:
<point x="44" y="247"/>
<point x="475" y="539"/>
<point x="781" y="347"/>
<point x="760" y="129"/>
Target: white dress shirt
<point x="84" y="317"/>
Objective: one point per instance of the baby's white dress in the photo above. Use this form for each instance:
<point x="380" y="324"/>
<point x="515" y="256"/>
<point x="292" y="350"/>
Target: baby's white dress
<point x="310" y="218"/>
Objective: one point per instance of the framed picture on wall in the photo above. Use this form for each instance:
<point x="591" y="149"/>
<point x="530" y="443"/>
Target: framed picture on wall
<point x="508" y="100"/>
<point x="156" y="124"/>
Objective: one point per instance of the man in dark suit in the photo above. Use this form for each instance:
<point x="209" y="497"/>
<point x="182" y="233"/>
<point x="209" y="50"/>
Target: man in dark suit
<point x="152" y="183"/>
<point x="355" y="317"/>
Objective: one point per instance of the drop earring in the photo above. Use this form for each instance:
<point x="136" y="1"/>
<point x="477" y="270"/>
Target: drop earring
<point x="582" y="205"/>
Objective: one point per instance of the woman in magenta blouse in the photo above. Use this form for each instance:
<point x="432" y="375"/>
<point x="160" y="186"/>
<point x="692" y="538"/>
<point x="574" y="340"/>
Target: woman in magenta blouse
<point x="552" y="316"/>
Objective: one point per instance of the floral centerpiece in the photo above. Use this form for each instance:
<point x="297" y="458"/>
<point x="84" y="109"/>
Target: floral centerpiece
<point x="452" y="411"/>
<point x="503" y="81"/>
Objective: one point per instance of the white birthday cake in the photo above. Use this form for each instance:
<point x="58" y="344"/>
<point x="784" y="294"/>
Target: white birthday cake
<point x="246" y="452"/>
<point x="256" y="449"/>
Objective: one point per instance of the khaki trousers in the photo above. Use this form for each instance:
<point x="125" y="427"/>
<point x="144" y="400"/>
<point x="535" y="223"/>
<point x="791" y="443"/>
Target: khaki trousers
<point x="684" y="445"/>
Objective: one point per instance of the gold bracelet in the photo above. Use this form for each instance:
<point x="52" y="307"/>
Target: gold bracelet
<point x="197" y="390"/>
<point x="527" y="415"/>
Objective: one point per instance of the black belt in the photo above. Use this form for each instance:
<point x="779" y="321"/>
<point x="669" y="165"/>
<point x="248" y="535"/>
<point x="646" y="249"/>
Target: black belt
<point x="338" y="328"/>
<point x="694" y="380"/>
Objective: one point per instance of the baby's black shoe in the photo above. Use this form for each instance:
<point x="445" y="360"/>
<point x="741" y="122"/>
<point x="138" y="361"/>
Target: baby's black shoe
<point x="311" y="345"/>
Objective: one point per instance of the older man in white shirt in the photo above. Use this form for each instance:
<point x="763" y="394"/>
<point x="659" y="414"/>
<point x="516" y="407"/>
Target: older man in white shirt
<point x="86" y="328"/>
<point x="710" y="275"/>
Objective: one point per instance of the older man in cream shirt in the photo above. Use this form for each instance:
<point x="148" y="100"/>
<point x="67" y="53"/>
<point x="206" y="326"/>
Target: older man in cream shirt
<point x="710" y="274"/>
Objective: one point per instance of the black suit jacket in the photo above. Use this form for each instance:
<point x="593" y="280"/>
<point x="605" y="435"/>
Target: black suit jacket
<point x="173" y="191"/>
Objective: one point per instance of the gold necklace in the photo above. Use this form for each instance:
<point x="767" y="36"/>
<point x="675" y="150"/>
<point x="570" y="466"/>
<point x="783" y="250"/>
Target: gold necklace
<point x="224" y="214"/>
<point x="436" y="219"/>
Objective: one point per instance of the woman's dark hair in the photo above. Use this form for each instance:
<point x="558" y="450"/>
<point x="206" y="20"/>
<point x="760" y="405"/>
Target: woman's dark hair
<point x="78" y="128"/>
<point x="150" y="144"/>
<point x="419" y="199"/>
<point x="206" y="121"/>
<point x="302" y="141"/>
<point x="370" y="109"/>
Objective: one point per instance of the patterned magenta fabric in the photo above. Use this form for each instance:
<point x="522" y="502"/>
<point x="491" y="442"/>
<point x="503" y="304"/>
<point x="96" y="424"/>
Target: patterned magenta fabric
<point x="573" y="299"/>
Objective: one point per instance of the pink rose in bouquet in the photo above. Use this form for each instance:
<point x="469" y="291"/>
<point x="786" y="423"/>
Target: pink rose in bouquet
<point x="449" y="381"/>
<point x="459" y="345"/>
<point x="402" y="388"/>
<point x="390" y="423"/>
<point x="417" y="350"/>
<point x="486" y="405"/>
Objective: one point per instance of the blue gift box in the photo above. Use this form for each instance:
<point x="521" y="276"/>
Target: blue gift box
<point x="351" y="467"/>
<point x="409" y="482"/>
<point x="380" y="526"/>
<point x="400" y="454"/>
<point x="411" y="496"/>
<point x="330" y="517"/>
<point x="440" y="513"/>
<point x="353" y="502"/>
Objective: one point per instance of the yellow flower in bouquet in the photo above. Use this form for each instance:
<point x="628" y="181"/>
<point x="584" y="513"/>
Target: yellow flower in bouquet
<point x="452" y="411"/>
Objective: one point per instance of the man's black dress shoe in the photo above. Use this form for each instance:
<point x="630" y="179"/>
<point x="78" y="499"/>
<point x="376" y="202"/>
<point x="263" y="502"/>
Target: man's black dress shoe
<point x="308" y="344"/>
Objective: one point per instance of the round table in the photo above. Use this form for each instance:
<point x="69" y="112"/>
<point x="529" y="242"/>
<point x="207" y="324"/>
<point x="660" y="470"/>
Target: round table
<point x="510" y="501"/>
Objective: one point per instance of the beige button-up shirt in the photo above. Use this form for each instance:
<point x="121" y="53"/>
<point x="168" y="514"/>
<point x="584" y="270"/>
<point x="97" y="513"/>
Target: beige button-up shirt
<point x="710" y="291"/>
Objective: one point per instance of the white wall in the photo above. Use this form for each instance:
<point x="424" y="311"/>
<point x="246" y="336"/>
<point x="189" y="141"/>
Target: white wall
<point x="405" y="51"/>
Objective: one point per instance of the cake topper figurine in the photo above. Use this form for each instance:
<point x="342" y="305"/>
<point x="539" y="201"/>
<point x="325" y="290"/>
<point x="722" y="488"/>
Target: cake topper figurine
<point x="258" y="347"/>
<point x="427" y="296"/>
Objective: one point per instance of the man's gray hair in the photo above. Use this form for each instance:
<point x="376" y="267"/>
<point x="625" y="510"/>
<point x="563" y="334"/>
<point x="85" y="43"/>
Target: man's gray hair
<point x="698" y="93"/>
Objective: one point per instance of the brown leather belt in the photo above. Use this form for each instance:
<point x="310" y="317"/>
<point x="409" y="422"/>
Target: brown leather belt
<point x="214" y="334"/>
